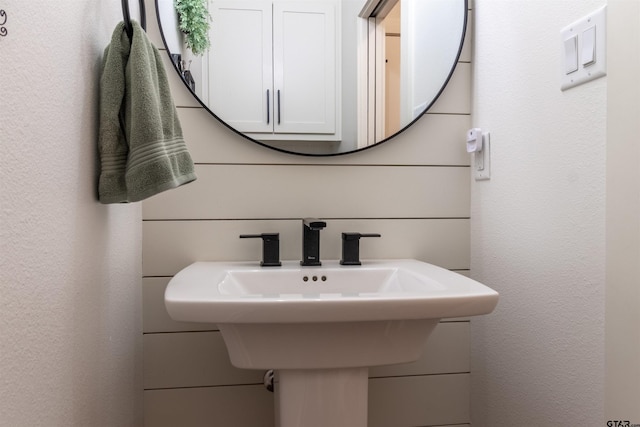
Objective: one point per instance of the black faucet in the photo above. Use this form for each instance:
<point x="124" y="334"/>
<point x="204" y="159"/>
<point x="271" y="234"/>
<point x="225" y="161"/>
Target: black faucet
<point x="270" y="248"/>
<point x="311" y="241"/>
<point x="351" y="247"/>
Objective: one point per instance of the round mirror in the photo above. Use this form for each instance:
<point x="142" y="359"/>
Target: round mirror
<point x="317" y="77"/>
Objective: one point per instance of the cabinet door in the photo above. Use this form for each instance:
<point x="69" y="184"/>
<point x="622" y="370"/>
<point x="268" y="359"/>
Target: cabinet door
<point x="304" y="60"/>
<point x="240" y="64"/>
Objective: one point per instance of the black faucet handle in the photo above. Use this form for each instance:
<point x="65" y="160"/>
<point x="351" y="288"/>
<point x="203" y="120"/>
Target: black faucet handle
<point x="351" y="247"/>
<point x="357" y="236"/>
<point x="270" y="248"/>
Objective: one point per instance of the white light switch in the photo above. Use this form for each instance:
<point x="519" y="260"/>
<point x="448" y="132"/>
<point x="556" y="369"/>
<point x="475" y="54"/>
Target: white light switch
<point x="571" y="55"/>
<point x="588" y="52"/>
<point x="583" y="45"/>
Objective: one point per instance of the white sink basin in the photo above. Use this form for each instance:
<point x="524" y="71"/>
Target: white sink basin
<point x="242" y="292"/>
<point x="302" y="306"/>
<point x="333" y="319"/>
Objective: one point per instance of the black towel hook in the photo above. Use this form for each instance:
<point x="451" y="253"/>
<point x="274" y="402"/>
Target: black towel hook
<point x="127" y="18"/>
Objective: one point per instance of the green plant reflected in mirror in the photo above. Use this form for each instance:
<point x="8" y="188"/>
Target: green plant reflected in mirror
<point x="193" y="21"/>
<point x="315" y="77"/>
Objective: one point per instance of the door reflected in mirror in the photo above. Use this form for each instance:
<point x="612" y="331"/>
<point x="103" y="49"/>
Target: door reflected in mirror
<point x="320" y="77"/>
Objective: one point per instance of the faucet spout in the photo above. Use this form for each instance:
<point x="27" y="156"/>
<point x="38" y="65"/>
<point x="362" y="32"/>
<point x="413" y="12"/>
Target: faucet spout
<point x="314" y="224"/>
<point x="311" y="241"/>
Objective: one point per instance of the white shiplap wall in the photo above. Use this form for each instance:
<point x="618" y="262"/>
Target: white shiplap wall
<point x="413" y="190"/>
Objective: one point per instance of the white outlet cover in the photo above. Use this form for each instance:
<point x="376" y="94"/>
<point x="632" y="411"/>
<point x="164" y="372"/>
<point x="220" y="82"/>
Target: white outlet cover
<point x="595" y="69"/>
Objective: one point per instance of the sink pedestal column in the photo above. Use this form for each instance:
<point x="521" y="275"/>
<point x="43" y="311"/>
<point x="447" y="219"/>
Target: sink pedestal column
<point x="322" y="397"/>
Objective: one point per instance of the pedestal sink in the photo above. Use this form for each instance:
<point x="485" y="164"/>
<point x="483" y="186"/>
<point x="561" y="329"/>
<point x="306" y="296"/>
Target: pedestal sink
<point x="322" y="327"/>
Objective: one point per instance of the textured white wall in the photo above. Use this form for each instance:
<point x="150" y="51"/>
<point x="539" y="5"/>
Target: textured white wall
<point x="538" y="226"/>
<point x="623" y="213"/>
<point x="70" y="320"/>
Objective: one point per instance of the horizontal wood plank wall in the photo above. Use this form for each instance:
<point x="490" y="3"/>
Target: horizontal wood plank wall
<point x="413" y="190"/>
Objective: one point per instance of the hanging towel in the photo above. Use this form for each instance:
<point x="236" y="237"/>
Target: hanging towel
<point x="142" y="151"/>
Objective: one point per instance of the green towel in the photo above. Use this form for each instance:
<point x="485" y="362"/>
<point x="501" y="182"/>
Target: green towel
<point x="142" y="151"/>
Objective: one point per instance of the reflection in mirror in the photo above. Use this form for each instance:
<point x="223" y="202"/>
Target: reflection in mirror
<point x="320" y="77"/>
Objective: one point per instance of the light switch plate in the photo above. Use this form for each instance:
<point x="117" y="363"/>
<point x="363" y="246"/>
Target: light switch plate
<point x="595" y="22"/>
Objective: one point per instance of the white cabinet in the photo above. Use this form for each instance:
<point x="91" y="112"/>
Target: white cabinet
<point x="273" y="68"/>
<point x="240" y="66"/>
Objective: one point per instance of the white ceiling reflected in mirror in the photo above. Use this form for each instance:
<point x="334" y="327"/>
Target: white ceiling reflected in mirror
<point x="320" y="77"/>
